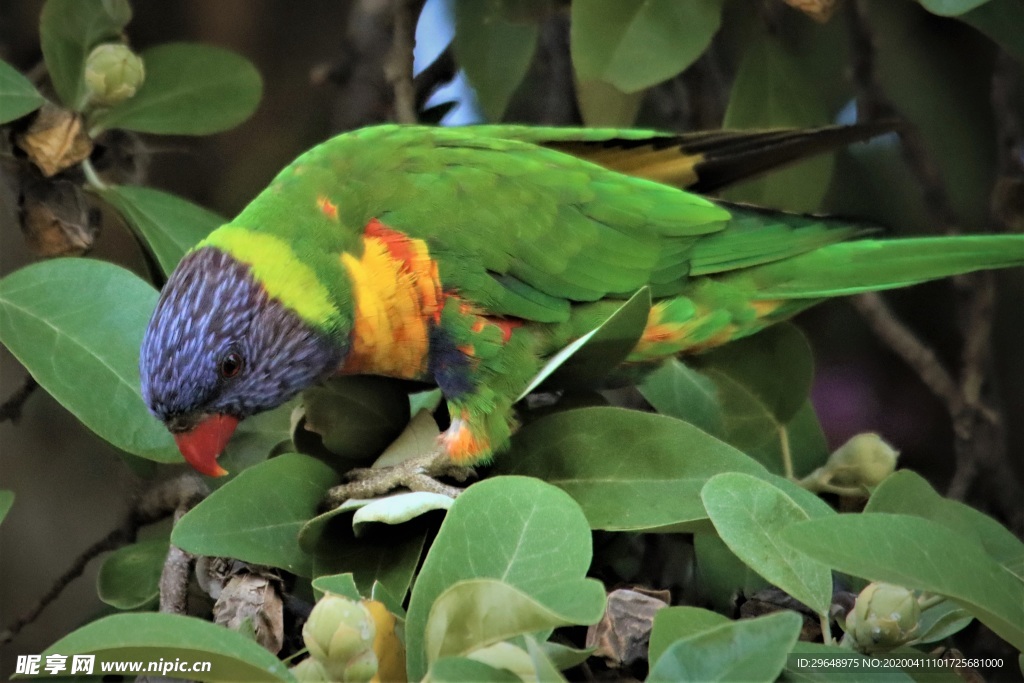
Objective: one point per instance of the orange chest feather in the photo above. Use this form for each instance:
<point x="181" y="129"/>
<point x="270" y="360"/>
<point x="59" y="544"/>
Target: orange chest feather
<point x="397" y="294"/>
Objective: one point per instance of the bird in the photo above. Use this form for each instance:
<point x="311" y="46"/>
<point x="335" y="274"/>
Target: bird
<point x="467" y="257"/>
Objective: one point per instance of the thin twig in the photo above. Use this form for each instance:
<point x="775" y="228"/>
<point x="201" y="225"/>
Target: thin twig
<point x="398" y="67"/>
<point x="15" y="403"/>
<point x="152" y="506"/>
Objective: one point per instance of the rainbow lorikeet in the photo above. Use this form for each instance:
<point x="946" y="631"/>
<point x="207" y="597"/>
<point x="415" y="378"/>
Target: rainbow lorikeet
<point x="467" y="256"/>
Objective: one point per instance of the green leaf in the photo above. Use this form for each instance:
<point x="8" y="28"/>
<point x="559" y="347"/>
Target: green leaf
<point x="746" y="650"/>
<point x="398" y="509"/>
<point x="772" y="89"/>
<point x="908" y="493"/>
<point x="477" y="613"/>
<point x="721" y="576"/>
<point x="17" y="94"/>
<point x="634" y="44"/>
<point x="519" y="530"/>
<point x="937" y="73"/>
<point x="584" y="452"/>
<point x="942" y="620"/>
<point x="546" y="670"/>
<point x="6" y="501"/>
<point x="775" y="367"/>
<point x="356" y="417"/>
<point x="494" y="51"/>
<point x="190" y="89"/>
<point x="951" y="8"/>
<point x="339" y="584"/>
<point x="674" y="623"/>
<point x="68" y="31"/>
<point x="679" y="391"/>
<point x="602" y="105"/>
<point x="152" y="636"/>
<point x="919" y="554"/>
<point x="169" y="225"/>
<point x="257" y="438"/>
<point x="130" y="576"/>
<point x="747" y="393"/>
<point x="77" y="325"/>
<point x="749" y="514"/>
<point x="389" y="555"/>
<point x="464" y="670"/>
<point x="1000" y="20"/>
<point x="589" y="359"/>
<point x="256" y="516"/>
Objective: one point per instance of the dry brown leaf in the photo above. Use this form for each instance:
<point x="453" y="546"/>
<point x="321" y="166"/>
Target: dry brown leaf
<point x="622" y="635"/>
<point x="55" y="140"/>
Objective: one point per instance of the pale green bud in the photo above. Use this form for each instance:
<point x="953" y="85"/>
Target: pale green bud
<point x="885" y="616"/>
<point x="339" y="634"/>
<point x="310" y="670"/>
<point x="864" y="460"/>
<point x="113" y="73"/>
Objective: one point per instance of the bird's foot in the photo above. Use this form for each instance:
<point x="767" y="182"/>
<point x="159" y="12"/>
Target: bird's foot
<point x="415" y="474"/>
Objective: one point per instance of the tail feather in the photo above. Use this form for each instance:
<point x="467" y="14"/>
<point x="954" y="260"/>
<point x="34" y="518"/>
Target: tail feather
<point x="872" y="265"/>
<point x="701" y="161"/>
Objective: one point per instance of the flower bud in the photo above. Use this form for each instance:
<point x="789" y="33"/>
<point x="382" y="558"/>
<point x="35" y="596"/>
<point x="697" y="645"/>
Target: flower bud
<point x="885" y="616"/>
<point x="112" y="74"/>
<point x="864" y="460"/>
<point x="310" y="670"/>
<point x="339" y="634"/>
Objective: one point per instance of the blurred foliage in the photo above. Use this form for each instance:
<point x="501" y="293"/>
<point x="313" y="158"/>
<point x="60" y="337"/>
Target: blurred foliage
<point x="715" y="451"/>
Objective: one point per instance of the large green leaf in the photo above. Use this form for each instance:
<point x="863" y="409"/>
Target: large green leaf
<point x="169" y="225"/>
<point x="68" y="31"/>
<point x="256" y="516"/>
<point x="746" y="392"/>
<point x="588" y="360"/>
<point x="920" y="554"/>
<point x="389" y="555"/>
<point x="495" y="51"/>
<point x="476" y="613"/>
<point x="634" y="44"/>
<point x="906" y="492"/>
<point x="190" y="89"/>
<point x="257" y="438"/>
<point x="157" y="637"/>
<point x="17" y="94"/>
<point x="721" y="576"/>
<point x="772" y="89"/>
<point x="130" y="576"/>
<point x="745" y="650"/>
<point x="521" y="531"/>
<point x="356" y="417"/>
<point x="749" y="514"/>
<point x="673" y="623"/>
<point x="628" y="470"/>
<point x="77" y="325"/>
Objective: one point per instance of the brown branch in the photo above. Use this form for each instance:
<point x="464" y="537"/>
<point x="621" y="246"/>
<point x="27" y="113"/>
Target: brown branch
<point x="980" y="446"/>
<point x="152" y="506"/>
<point x="398" y="66"/>
<point x="15" y="403"/>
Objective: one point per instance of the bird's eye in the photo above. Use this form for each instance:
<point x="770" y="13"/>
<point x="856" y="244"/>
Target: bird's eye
<point x="230" y="365"/>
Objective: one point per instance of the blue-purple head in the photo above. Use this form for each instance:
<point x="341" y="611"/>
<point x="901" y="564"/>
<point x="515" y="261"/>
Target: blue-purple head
<point x="219" y="349"/>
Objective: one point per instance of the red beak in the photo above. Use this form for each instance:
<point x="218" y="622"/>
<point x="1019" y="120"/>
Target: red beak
<point x="202" y="446"/>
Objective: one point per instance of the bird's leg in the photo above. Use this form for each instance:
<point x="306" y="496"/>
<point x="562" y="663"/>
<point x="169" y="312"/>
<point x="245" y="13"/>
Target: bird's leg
<point x="416" y="474"/>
